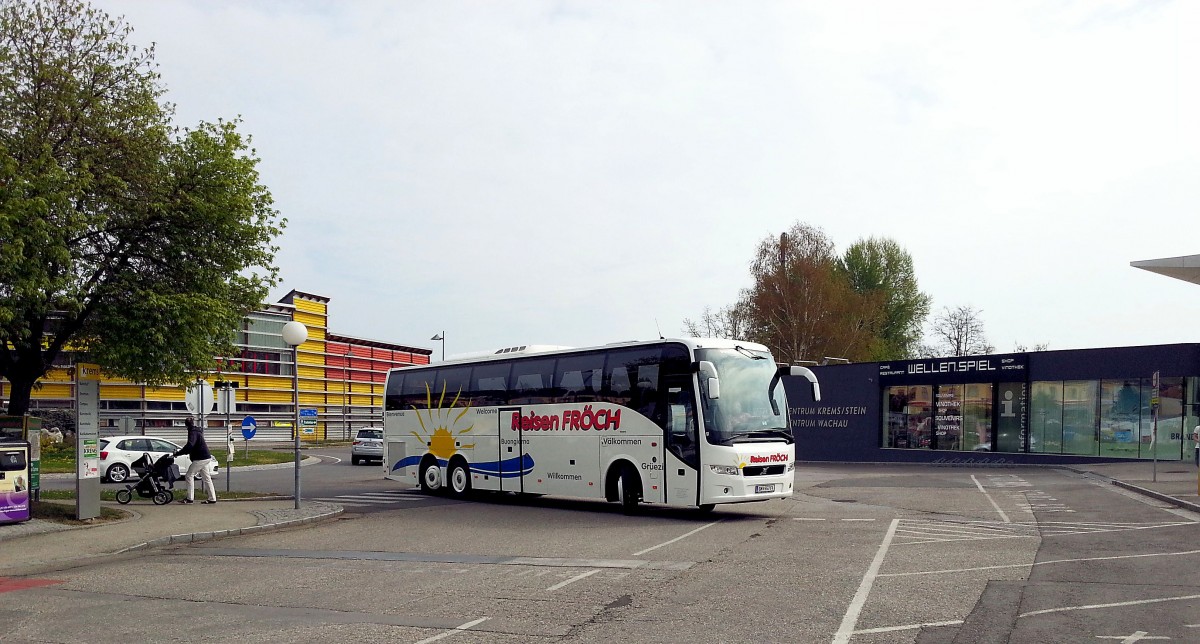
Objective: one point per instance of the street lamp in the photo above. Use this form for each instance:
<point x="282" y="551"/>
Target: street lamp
<point x="345" y="387"/>
<point x="294" y="334"/>
<point x="442" y="337"/>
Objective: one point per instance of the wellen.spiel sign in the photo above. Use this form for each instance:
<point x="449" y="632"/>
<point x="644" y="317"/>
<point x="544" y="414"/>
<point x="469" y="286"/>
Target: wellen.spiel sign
<point x="985" y="369"/>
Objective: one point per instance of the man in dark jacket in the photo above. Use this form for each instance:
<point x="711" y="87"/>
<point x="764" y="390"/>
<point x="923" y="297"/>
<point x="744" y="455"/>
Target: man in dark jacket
<point x="197" y="450"/>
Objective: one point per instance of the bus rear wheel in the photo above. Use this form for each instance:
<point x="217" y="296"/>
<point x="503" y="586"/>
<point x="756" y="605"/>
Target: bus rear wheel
<point x="459" y="479"/>
<point x="431" y="477"/>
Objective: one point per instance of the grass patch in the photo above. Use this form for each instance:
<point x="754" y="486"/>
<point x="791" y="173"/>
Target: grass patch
<point x="110" y="494"/>
<point x="65" y="513"/>
<point x="62" y="460"/>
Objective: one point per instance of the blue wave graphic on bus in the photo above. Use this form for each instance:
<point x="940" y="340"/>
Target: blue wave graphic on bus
<point x="505" y="469"/>
<point x="411" y="460"/>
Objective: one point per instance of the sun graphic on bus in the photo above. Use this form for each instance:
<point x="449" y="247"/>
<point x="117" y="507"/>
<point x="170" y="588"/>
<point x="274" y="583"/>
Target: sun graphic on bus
<point x="442" y="426"/>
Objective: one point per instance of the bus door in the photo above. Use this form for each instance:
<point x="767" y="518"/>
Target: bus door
<point x="682" y="445"/>
<point x="512" y="450"/>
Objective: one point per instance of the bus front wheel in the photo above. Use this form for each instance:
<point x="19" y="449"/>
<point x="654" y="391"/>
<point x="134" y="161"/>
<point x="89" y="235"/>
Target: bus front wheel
<point x="629" y="489"/>
<point x="431" y="477"/>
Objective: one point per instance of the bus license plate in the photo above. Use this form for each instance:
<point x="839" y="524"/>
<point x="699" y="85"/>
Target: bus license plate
<point x="759" y="489"/>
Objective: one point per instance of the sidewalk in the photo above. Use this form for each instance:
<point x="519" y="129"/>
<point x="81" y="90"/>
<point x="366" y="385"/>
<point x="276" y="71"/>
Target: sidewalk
<point x="1171" y="481"/>
<point x="37" y="546"/>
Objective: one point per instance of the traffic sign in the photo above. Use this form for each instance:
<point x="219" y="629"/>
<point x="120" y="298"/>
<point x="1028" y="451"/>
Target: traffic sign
<point x="199" y="398"/>
<point x="249" y="427"/>
<point x="308" y="421"/>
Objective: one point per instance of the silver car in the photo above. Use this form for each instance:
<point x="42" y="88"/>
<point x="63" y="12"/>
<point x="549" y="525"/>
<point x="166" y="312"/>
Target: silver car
<point x="368" y="446"/>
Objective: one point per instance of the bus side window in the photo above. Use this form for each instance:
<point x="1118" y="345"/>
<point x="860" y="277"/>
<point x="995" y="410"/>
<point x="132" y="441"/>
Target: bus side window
<point x="417" y="389"/>
<point x="489" y="385"/>
<point x="617" y="389"/>
<point x="531" y="382"/>
<point x="622" y="370"/>
<point x="576" y="379"/>
<point x="393" y="398"/>
<point x="452" y="387"/>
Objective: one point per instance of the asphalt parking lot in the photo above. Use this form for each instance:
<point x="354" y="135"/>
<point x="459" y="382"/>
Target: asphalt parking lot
<point x="860" y="554"/>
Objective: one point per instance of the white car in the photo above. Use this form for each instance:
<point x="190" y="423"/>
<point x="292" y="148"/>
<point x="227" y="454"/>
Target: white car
<point x="117" y="454"/>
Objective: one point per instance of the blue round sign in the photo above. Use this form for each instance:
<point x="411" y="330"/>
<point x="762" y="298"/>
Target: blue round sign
<point x="248" y="427"/>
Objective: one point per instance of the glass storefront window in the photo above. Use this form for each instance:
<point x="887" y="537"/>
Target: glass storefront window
<point x="1120" y="417"/>
<point x="977" y="418"/>
<point x="1109" y="418"/>
<point x="948" y="418"/>
<point x="1169" y="446"/>
<point x="1079" y="420"/>
<point x="910" y="412"/>
<point x="1045" y="418"/>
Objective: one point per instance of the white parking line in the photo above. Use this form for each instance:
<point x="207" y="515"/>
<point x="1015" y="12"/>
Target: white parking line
<point x="667" y="543"/>
<point x="860" y="598"/>
<point x="907" y="627"/>
<point x="572" y="580"/>
<point x="949" y="571"/>
<point x="990" y="499"/>
<point x="1113" y="605"/>
<point x="363" y="499"/>
<point x="457" y="629"/>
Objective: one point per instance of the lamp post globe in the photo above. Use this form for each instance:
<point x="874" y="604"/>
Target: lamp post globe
<point x="294" y="333"/>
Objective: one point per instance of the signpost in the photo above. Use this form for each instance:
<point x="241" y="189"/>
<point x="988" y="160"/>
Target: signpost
<point x="226" y="401"/>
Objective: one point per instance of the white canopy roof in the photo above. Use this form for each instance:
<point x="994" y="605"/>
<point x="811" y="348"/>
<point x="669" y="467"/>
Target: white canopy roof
<point x="1185" y="268"/>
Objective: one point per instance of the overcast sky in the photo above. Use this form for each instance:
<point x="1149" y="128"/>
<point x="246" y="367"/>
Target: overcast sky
<point x="578" y="173"/>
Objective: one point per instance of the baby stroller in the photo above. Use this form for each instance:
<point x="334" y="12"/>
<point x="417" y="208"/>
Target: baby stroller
<point x="157" y="480"/>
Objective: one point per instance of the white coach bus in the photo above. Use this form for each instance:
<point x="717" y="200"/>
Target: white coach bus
<point x="619" y="422"/>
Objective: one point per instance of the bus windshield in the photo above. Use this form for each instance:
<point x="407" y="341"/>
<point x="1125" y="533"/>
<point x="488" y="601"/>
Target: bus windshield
<point x="743" y="412"/>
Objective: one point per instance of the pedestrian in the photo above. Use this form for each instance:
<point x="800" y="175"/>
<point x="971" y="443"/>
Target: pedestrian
<point x="1196" y="440"/>
<point x="197" y="450"/>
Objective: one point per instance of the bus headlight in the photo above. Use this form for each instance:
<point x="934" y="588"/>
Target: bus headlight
<point x="731" y="470"/>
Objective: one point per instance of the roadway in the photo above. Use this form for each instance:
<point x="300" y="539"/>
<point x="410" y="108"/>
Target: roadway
<point x="861" y="554"/>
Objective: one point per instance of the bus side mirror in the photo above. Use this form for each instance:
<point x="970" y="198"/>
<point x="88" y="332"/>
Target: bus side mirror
<point x="793" y="371"/>
<point x="709" y="370"/>
<point x="810" y="377"/>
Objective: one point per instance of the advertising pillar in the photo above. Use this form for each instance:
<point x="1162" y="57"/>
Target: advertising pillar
<point x="87" y="441"/>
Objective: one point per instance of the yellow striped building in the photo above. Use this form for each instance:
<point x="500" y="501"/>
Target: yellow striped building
<point x="340" y="376"/>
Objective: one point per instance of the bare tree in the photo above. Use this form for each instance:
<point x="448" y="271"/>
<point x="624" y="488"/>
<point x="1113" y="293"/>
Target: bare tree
<point x="1021" y="348"/>
<point x="731" y="322"/>
<point x="957" y="331"/>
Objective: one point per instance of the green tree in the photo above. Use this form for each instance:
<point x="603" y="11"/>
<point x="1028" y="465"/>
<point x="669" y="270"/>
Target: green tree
<point x="120" y="235"/>
<point x="881" y="266"/>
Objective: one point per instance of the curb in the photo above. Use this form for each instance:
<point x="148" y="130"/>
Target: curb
<point x="1167" y="498"/>
<point x="217" y="534"/>
<point x="1187" y="505"/>
<point x="56" y="565"/>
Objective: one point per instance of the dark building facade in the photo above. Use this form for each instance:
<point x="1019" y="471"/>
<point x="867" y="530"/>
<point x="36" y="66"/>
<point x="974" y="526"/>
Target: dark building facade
<point x="1039" y="407"/>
